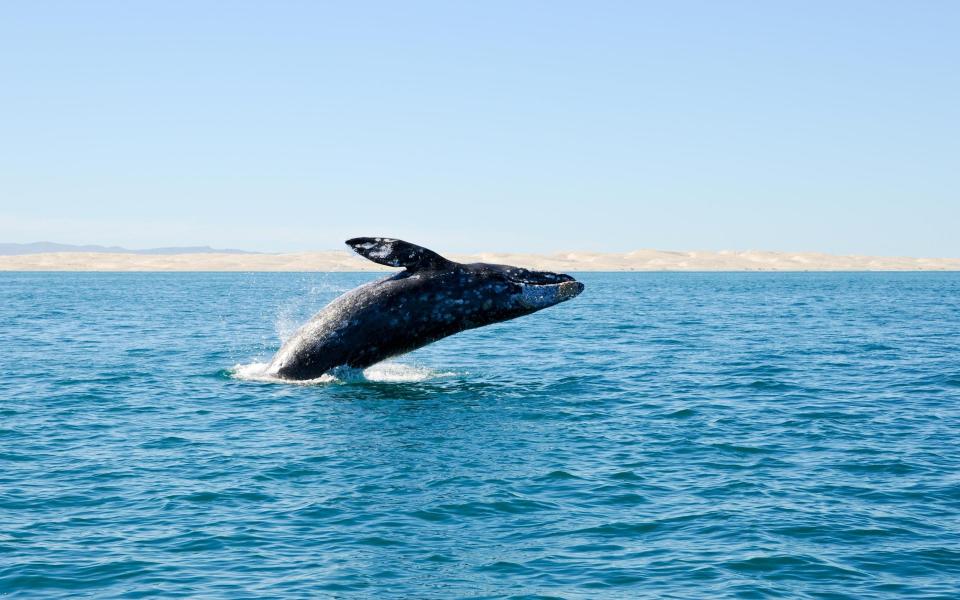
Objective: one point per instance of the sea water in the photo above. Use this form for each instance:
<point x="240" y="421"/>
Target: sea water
<point x="738" y="435"/>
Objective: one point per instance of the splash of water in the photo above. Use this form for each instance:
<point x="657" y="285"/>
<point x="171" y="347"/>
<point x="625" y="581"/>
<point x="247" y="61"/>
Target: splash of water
<point x="385" y="372"/>
<point x="296" y="311"/>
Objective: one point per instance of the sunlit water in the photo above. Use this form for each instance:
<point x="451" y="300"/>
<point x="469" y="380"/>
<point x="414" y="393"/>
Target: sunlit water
<point x="661" y="436"/>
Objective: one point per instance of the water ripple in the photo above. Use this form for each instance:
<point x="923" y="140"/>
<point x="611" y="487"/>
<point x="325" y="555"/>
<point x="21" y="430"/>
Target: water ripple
<point x="664" y="436"/>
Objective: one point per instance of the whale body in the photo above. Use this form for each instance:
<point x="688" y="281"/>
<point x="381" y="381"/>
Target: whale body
<point x="432" y="298"/>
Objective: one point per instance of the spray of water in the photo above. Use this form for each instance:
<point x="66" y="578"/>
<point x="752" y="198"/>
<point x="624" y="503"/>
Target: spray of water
<point x="296" y="311"/>
<point x="385" y="372"/>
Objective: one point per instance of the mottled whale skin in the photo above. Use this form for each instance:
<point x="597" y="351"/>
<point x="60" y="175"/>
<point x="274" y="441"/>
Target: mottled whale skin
<point x="430" y="299"/>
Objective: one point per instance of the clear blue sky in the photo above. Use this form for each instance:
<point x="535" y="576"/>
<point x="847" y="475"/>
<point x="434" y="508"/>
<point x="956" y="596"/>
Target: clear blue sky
<point x="510" y="126"/>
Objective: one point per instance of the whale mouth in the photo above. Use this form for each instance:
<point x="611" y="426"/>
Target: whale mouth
<point x="539" y="296"/>
<point x="570" y="289"/>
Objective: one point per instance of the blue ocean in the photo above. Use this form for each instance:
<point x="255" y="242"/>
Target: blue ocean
<point x="664" y="435"/>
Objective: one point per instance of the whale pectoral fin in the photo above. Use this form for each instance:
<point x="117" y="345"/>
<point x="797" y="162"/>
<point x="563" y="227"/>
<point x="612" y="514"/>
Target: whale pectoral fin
<point x="397" y="253"/>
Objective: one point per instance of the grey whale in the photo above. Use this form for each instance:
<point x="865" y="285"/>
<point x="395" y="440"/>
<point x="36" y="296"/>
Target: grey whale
<point x="430" y="299"/>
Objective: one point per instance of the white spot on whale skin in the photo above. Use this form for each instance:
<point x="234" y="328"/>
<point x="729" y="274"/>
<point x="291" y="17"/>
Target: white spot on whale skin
<point x="382" y="252"/>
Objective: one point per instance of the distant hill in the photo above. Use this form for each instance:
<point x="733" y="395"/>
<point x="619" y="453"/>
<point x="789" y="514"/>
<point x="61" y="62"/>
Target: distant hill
<point x="342" y="260"/>
<point x="49" y="247"/>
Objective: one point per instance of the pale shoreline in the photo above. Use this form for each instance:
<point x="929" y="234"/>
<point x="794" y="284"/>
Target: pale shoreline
<point x="640" y="260"/>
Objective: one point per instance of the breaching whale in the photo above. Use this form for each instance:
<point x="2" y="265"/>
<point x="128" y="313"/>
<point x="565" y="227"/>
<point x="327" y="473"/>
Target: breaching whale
<point x="430" y="299"/>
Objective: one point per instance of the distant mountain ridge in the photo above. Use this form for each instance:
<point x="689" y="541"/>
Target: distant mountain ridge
<point x="51" y="247"/>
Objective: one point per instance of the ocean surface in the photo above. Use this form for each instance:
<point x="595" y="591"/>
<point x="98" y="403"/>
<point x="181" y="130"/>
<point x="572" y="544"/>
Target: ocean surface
<point x="664" y="435"/>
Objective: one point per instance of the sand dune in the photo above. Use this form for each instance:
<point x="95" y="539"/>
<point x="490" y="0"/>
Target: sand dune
<point x="639" y="260"/>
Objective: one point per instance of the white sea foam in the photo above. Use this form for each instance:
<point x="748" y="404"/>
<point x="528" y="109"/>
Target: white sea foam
<point x="385" y="372"/>
<point x="391" y="372"/>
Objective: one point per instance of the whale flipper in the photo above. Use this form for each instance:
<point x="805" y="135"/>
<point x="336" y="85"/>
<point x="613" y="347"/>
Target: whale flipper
<point x="397" y="253"/>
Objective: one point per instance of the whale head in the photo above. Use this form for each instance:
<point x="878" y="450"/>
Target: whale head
<point x="505" y="292"/>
